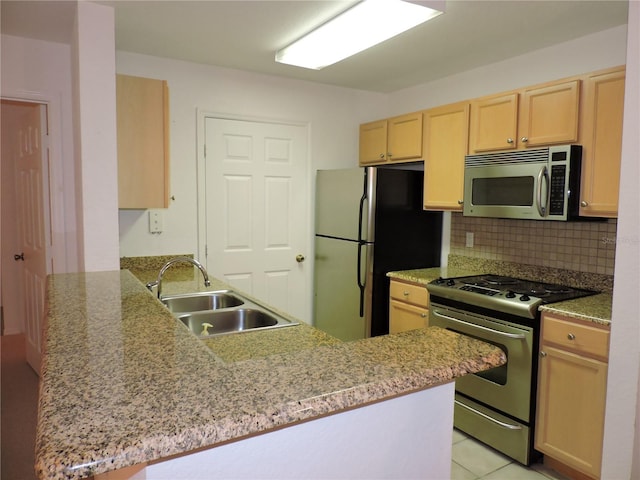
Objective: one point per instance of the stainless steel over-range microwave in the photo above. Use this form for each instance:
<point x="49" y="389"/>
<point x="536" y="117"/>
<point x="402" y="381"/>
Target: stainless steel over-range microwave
<point x="536" y="184"/>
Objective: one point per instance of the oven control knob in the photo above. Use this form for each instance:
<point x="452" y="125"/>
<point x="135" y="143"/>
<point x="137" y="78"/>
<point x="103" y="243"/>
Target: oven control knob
<point x="439" y="281"/>
<point x="525" y="298"/>
<point x="510" y="294"/>
<point x="451" y="282"/>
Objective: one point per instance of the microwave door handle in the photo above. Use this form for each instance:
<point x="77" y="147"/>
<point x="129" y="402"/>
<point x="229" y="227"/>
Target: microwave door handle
<point x="542" y="174"/>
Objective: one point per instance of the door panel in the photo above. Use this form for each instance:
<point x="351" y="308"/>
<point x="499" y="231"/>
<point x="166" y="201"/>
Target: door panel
<point x="256" y="210"/>
<point x="30" y="159"/>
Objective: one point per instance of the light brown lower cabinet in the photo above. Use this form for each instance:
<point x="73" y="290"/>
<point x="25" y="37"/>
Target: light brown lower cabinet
<point x="572" y="380"/>
<point x="408" y="306"/>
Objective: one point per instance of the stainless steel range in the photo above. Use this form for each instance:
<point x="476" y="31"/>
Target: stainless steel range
<point x="498" y="406"/>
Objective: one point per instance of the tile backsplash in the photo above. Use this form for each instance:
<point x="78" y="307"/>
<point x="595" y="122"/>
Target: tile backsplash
<point x="587" y="246"/>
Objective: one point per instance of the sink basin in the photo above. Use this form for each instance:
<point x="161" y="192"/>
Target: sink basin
<point x="207" y="324"/>
<point x="196" y="302"/>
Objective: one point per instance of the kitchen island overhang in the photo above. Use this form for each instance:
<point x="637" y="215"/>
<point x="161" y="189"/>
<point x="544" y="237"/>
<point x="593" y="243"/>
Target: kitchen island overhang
<point x="123" y="383"/>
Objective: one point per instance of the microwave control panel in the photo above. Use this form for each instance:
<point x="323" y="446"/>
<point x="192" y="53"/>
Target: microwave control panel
<point x="558" y="189"/>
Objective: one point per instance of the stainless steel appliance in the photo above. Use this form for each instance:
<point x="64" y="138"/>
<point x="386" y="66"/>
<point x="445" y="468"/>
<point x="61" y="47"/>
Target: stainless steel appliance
<point x="369" y="221"/>
<point x="498" y="406"/>
<point x="536" y="184"/>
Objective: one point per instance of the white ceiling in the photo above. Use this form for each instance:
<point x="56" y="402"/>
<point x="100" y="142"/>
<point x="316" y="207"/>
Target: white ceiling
<point x="245" y="34"/>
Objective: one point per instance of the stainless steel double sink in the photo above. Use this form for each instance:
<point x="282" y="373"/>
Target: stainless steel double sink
<point x="208" y="314"/>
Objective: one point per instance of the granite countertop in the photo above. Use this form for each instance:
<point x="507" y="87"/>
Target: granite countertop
<point x="594" y="309"/>
<point x="422" y="276"/>
<point x="123" y="383"/>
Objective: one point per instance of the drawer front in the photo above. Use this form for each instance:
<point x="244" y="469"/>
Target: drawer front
<point x="580" y="338"/>
<point x="410" y="293"/>
<point x="403" y="317"/>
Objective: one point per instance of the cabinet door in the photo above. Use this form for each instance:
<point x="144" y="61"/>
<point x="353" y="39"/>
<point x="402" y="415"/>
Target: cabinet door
<point x="494" y="122"/>
<point x="404" y="137"/>
<point x="445" y="143"/>
<point x="142" y="110"/>
<point x="373" y="142"/>
<point x="403" y="317"/>
<point x="571" y="401"/>
<point x="549" y="115"/>
<point x="601" y="138"/>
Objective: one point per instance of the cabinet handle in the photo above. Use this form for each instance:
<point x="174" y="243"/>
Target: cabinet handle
<point x="543" y="354"/>
<point x="509" y="140"/>
<point x="524" y="139"/>
<point x="423" y="315"/>
<point x="584" y="203"/>
<point x="571" y="336"/>
<point x="382" y="155"/>
<point x="460" y="202"/>
<point x="405" y="293"/>
<point x="389" y="155"/>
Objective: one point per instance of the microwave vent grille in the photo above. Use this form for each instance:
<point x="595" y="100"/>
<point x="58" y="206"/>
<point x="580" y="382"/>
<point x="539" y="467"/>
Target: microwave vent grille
<point x="507" y="158"/>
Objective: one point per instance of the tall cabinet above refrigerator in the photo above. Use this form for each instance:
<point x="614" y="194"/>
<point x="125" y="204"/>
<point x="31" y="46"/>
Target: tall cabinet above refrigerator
<point x="369" y="221"/>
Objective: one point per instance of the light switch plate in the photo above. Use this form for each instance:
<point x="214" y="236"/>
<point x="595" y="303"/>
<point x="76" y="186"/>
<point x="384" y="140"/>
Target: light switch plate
<point x="155" y="221"/>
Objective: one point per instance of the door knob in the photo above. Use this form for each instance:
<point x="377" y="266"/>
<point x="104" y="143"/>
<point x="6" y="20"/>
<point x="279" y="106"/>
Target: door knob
<point x="299" y="258"/>
<point x="19" y="257"/>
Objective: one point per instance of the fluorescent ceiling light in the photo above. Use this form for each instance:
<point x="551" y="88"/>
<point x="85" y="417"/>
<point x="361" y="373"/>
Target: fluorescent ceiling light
<point x="362" y="26"/>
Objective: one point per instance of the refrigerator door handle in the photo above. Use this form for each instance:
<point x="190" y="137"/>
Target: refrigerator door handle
<point x="363" y="199"/>
<point x="361" y="283"/>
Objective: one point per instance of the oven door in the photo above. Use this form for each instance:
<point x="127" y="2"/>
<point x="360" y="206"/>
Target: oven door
<point x="506" y="388"/>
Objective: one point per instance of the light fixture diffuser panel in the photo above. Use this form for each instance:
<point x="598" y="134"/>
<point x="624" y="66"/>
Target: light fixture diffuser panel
<point x="366" y="24"/>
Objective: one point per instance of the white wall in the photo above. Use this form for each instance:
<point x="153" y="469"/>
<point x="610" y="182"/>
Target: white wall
<point x="395" y="439"/>
<point x="94" y="82"/>
<point x="586" y="54"/>
<point x="333" y="115"/>
<point x="623" y="400"/>
<point x="40" y="71"/>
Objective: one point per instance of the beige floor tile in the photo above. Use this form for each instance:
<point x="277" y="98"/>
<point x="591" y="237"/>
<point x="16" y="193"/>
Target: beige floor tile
<point x="458" y="436"/>
<point x="478" y="458"/>
<point x="514" y="471"/>
<point x="547" y="472"/>
<point x="458" y="472"/>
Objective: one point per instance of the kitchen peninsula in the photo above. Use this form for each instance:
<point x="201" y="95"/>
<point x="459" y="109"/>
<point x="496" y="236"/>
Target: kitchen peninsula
<point x="126" y="388"/>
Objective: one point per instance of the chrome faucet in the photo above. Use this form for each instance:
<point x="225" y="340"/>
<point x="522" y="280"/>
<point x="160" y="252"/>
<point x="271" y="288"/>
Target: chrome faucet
<point x="158" y="281"/>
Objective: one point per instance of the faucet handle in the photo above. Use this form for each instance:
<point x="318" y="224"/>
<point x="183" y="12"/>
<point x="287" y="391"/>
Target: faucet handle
<point x="150" y="285"/>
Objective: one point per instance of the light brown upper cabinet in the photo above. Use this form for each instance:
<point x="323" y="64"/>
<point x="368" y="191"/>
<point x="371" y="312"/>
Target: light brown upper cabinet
<point x="544" y="114"/>
<point x="396" y="139"/>
<point x="445" y="143"/>
<point x="601" y="138"/>
<point x="373" y="142"/>
<point x="494" y="123"/>
<point x="142" y="108"/>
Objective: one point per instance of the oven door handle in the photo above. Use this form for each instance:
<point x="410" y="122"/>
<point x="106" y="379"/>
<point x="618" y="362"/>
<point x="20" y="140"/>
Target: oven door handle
<point x="487" y="417"/>
<point x="480" y="327"/>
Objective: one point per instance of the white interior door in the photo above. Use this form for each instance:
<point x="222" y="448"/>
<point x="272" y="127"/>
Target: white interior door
<point x="257" y="226"/>
<point x="29" y="158"/>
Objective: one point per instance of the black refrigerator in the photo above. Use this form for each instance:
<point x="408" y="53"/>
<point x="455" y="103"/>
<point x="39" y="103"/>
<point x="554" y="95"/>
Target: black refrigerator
<point x="369" y="221"/>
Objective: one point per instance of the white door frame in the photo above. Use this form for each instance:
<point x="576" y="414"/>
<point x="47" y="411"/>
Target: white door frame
<point x="201" y="185"/>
